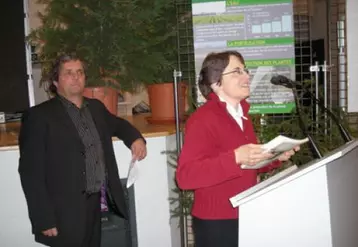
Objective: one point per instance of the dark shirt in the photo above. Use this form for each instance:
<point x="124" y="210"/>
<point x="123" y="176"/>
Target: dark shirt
<point x="87" y="131"/>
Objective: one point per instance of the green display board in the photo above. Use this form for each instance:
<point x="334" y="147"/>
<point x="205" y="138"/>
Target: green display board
<point x="262" y="31"/>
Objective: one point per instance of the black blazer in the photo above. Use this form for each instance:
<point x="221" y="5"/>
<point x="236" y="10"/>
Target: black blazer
<point x="52" y="164"/>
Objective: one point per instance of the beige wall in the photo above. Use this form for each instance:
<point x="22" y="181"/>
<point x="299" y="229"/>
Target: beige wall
<point x="34" y="8"/>
<point x="319" y="20"/>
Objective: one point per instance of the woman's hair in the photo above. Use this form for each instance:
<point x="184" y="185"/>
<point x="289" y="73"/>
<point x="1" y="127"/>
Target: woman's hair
<point x="56" y="68"/>
<point x="212" y="68"/>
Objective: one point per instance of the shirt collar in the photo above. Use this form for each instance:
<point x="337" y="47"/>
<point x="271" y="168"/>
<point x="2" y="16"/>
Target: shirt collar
<point x="231" y="109"/>
<point x="244" y="104"/>
<point x="69" y="104"/>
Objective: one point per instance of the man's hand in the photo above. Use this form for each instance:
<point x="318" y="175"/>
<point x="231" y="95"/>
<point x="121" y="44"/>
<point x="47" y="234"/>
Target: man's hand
<point x="287" y="155"/>
<point x="50" y="232"/>
<point x="139" y="149"/>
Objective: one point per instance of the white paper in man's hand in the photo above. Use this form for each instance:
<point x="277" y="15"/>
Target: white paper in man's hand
<point x="133" y="173"/>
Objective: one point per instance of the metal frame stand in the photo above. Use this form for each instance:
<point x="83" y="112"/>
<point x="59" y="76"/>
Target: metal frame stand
<point x="183" y="219"/>
<point x="315" y="69"/>
<point x="325" y="69"/>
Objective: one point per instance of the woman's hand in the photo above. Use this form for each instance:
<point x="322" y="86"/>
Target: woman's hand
<point x="287" y="155"/>
<point x="251" y="154"/>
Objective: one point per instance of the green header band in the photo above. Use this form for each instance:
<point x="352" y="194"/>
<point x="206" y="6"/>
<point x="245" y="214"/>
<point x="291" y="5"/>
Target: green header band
<point x="206" y="1"/>
<point x="254" y="2"/>
<point x="260" y="42"/>
<point x="272" y="108"/>
<point x="269" y="62"/>
<point x="243" y="2"/>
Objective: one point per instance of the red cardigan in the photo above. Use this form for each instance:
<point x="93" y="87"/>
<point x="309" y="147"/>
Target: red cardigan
<point x="207" y="161"/>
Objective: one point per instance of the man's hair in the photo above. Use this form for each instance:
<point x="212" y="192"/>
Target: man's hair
<point x="56" y="68"/>
<point x="212" y="69"/>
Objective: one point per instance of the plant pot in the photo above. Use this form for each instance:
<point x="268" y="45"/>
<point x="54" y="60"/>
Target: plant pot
<point x="161" y="101"/>
<point x="108" y="96"/>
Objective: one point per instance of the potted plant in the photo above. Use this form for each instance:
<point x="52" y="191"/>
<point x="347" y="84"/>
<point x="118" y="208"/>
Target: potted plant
<point x="161" y="96"/>
<point x="156" y="58"/>
<point x="125" y="43"/>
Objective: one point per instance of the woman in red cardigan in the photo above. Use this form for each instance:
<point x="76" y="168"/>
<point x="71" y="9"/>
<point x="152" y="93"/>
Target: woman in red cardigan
<point x="219" y="137"/>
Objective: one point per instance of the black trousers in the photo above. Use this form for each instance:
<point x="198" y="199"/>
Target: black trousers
<point x="93" y="225"/>
<point x="92" y="236"/>
<point x="215" y="233"/>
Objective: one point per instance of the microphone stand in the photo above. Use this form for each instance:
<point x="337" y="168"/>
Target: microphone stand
<point x="343" y="131"/>
<point x="314" y="148"/>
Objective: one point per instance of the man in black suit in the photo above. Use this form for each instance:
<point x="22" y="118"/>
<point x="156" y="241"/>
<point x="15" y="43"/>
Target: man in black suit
<point x="67" y="156"/>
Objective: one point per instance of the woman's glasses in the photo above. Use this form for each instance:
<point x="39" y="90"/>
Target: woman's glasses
<point x="238" y="71"/>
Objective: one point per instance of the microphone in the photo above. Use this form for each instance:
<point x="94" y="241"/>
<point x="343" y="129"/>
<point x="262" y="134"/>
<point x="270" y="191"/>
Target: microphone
<point x="286" y="82"/>
<point x="280" y="80"/>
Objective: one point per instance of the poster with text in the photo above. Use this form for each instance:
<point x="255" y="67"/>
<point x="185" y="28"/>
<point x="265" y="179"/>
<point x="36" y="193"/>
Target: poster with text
<point x="263" y="32"/>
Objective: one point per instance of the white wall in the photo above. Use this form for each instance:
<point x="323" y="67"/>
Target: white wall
<point x="152" y="190"/>
<point x="352" y="54"/>
<point x="15" y="230"/>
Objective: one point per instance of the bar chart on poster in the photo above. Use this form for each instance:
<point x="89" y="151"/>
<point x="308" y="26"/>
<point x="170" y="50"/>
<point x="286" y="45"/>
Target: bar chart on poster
<point x="263" y="32"/>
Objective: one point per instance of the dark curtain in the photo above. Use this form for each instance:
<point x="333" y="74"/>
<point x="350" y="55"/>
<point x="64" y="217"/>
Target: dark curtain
<point x="13" y="72"/>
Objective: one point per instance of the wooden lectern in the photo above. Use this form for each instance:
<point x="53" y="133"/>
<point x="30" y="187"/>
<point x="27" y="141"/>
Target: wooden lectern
<point x="315" y="205"/>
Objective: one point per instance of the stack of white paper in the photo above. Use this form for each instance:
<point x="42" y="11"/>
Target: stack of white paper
<point x="277" y="146"/>
<point x="133" y="173"/>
